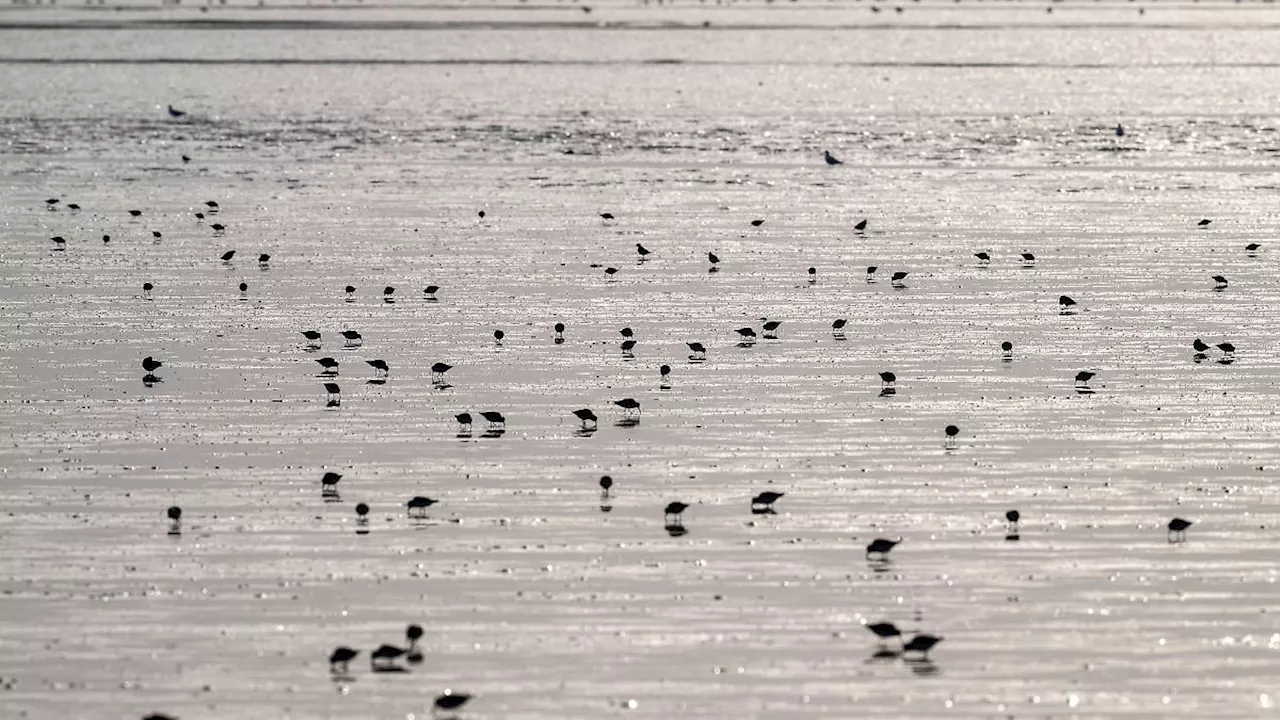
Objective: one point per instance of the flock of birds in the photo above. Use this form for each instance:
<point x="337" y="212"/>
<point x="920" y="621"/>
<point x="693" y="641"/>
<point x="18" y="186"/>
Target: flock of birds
<point x="385" y="657"/>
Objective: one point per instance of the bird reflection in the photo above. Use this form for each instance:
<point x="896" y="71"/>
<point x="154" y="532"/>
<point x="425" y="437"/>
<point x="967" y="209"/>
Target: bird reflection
<point x="494" y="432"/>
<point x="883" y="655"/>
<point x="676" y="529"/>
<point x="627" y="421"/>
<point x="922" y="666"/>
<point x="382" y="381"/>
<point x="150" y="380"/>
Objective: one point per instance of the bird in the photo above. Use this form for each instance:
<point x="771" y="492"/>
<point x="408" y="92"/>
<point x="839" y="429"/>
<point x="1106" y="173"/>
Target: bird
<point x="1006" y="348"/>
<point x="418" y="505"/>
<point x="362" y="511"/>
<point x="1013" y="517"/>
<point x="1221" y="282"/>
<point x="831" y="159"/>
<point x="983" y="258"/>
<point x="860" y="225"/>
<point x="881" y="546"/>
<point x="329" y="364"/>
<point x="885" y="630"/>
<point x="384" y="656"/>
<point x="606" y="216"/>
<point x="175" y="513"/>
<point x="1119" y="131"/>
<point x="226" y="256"/>
<point x="713" y="258"/>
<point x="156" y="234"/>
<point x="838" y="324"/>
<point x="387" y="292"/>
<point x="642" y="251"/>
<point x="244" y="287"/>
<point x="52" y="203"/>
<point x="586" y="416"/>
<point x="771" y="327"/>
<point x="146" y="290"/>
<point x="765" y="500"/>
<point x="159" y="716"/>
<point x="480" y="214"/>
<point x="430" y="291"/>
<point x="176" y="113"/>
<point x="350" y="290"/>
<point x="813" y="275"/>
<point x="699" y="352"/>
<point x="495" y="418"/>
<point x="73" y="207"/>
<point x="150" y="364"/>
<point x="757" y="223"/>
<point x="627" y="346"/>
<point x="186" y="158"/>
<point x="1252" y="247"/>
<point x="1199" y="345"/>
<point x="559" y="328"/>
<point x="464" y="421"/>
<point x="312" y="335"/>
<point x="1227" y="348"/>
<point x="609" y="272"/>
<point x="674" y="511"/>
<point x="212" y="205"/>
<point x="951" y="431"/>
<point x="664" y="372"/>
<point x="379" y="365"/>
<point x="1204" y="222"/>
<point x="353" y="337"/>
<point x="888" y="379"/>
<point x="498" y="335"/>
<point x="218" y="228"/>
<point x="1178" y="529"/>
<point x="135" y="213"/>
<point x="335" y="393"/>
<point x="59" y="242"/>
<point x="1028" y="259"/>
<point x="606" y="483"/>
<point x="106" y="239"/>
<point x="1083" y="377"/>
<point x="340" y="657"/>
<point x="746" y="333"/>
<point x="871" y="271"/>
<point x="450" y="701"/>
<point x="626" y="332"/>
<point x="921" y="644"/>
<point x="898" y="277"/>
<point x="1066" y="303"/>
<point x="628" y="405"/>
<point x="438" y="370"/>
<point x="413" y="634"/>
<point x="330" y="480"/>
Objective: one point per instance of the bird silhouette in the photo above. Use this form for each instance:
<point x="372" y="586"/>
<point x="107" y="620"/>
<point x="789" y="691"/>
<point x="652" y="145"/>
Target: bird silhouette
<point x="330" y="480"/>
<point x="921" y="644"/>
<point x="339" y="658"/>
<point x="881" y="547"/>
<point x="984" y="259"/>
<point x="629" y="406"/>
<point x="860" y="225"/>
<point x="150" y="364"/>
<point x="757" y="223"/>
<point x="885" y="630"/>
<point x="1028" y="259"/>
<point x="438" y="370"/>
<point x="888" y="379"/>
<point x="417" y="505"/>
<point x="586" y="416"/>
<point x="1178" y="529"/>
<point x="1084" y="376"/>
<point x="642" y="251"/>
<point x="1204" y="222"/>
<point x="1006" y="350"/>
<point x="951" y="432"/>
<point x="765" y="500"/>
<point x="699" y="352"/>
<point x="329" y="365"/>
<point x="379" y="365"/>
<point x="1220" y="282"/>
<point x="831" y="159"/>
<point x="464" y="421"/>
<point x="871" y="273"/>
<point x="450" y="701"/>
<point x="226" y="256"/>
<point x="674" y="512"/>
<point x="176" y="113"/>
<point x="898" y="277"/>
<point x="495" y="418"/>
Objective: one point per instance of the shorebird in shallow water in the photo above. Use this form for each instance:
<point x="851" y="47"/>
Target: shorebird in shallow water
<point x="384" y="658"/>
<point x="464" y="422"/>
<point x="860" y="225"/>
<point x="339" y="658"/>
<point x="674" y="512"/>
<point x="496" y="419"/>
<point x="630" y="406"/>
<point x="586" y="416"/>
<point x="871" y="273"/>
<point x="831" y="159"/>
<point x="1006" y="350"/>
<point x="417" y="505"/>
<point x="898" y="278"/>
<point x="438" y="370"/>
<point x="921" y="644"/>
<point x="380" y="366"/>
<point x="1028" y="260"/>
<point x="1178" y="530"/>
<point x="450" y="701"/>
<point x="984" y="259"/>
<point x="951" y="431"/>
<point x="1220" y="282"/>
<point x="176" y="113"/>
<point x="765" y="500"/>
<point x="150" y="364"/>
<point x="413" y="634"/>
<point x="881" y="547"/>
<point x="699" y="352"/>
<point x="885" y="630"/>
<point x="328" y="365"/>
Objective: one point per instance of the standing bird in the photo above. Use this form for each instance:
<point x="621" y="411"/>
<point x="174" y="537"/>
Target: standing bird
<point x="1199" y="345"/>
<point x="922" y="644"/>
<point x="586" y="416"/>
<point x="59" y="242"/>
<point x="898" y="277"/>
<point x="746" y="333"/>
<point x="413" y="634"/>
<point x="340" y="657"/>
<point x="417" y="505"/>
<point x="353" y="337"/>
<point x="628" y="405"/>
<point x="387" y="293"/>
<point x="226" y="256"/>
<point x="714" y="259"/>
<point x="675" y="512"/>
<point x="765" y="500"/>
<point x="176" y="113"/>
<point x="881" y="547"/>
<point x="150" y="364"/>
<point x="838" y="324"/>
<point x="52" y="203"/>
<point x="871" y="273"/>
<point x="218" y="228"/>
<point x="888" y="379"/>
<point x="429" y="292"/>
<point x="1028" y="259"/>
<point x="1006" y="350"/>
<point x="626" y="332"/>
<point x="984" y="259"/>
<point x="813" y="275"/>
<point x="831" y="159"/>
<point x="146" y="290"/>
<point x="860" y="225"/>
<point x="384" y="657"/>
<point x="951" y="432"/>
<point x="498" y="335"/>
<point x="606" y="484"/>
<point x="771" y="327"/>
<point x="175" y="520"/>
<point x="642" y="251"/>
<point x="1220" y="282"/>
<point x="135" y="213"/>
<point x="606" y="216"/>
<point x="609" y="272"/>
<point x="1178" y="529"/>
<point x="312" y="335"/>
<point x="559" y="328"/>
<point x="1066" y="303"/>
<point x="757" y="223"/>
<point x="1204" y="222"/>
<point x="495" y="418"/>
<point x="1013" y="517"/>
<point x="699" y="352"/>
<point x="350" y="290"/>
<point x="438" y="370"/>
<point x="380" y="366"/>
<point x="329" y="365"/>
<point x="664" y="373"/>
<point x="1083" y="377"/>
<point x="1252" y="248"/>
<point x="330" y="480"/>
<point x="464" y="422"/>
<point x="1227" y="349"/>
<point x="156" y="234"/>
<point x="263" y="259"/>
<point x="335" y="393"/>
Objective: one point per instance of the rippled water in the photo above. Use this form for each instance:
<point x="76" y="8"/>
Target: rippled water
<point x="354" y="151"/>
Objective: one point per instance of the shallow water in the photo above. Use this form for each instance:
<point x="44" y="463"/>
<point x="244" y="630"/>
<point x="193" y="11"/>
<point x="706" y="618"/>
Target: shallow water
<point x="965" y="129"/>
